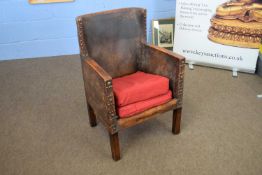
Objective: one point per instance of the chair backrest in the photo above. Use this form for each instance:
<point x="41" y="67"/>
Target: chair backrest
<point x="113" y="38"/>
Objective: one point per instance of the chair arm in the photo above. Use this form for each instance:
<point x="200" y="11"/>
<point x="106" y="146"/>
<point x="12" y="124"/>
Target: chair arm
<point x="99" y="93"/>
<point x="163" y="62"/>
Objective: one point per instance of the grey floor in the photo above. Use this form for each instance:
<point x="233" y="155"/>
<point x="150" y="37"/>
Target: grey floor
<point x="44" y="126"/>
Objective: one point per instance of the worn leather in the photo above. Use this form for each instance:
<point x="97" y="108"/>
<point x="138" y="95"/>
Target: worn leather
<point x="99" y="93"/>
<point x="112" y="44"/>
<point x="113" y="39"/>
<point x="162" y="62"/>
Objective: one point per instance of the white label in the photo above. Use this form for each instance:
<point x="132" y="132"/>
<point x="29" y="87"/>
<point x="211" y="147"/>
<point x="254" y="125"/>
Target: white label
<point x="191" y="38"/>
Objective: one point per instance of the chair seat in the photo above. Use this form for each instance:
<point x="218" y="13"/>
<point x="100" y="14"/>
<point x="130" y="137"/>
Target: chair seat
<point x="138" y="87"/>
<point x="140" y="91"/>
<point x="135" y="108"/>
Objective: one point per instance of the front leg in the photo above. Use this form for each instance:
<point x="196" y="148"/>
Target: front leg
<point x="176" y="121"/>
<point x="115" y="148"/>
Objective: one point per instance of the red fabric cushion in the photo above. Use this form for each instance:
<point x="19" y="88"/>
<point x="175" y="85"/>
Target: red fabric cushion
<point x="134" y="108"/>
<point x="138" y="87"/>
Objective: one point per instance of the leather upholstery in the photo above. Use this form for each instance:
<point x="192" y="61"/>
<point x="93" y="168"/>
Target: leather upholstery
<point x="112" y="44"/>
<point x="114" y="39"/>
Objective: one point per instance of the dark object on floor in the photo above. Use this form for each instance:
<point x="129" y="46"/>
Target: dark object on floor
<point x="259" y="62"/>
<point x="113" y="44"/>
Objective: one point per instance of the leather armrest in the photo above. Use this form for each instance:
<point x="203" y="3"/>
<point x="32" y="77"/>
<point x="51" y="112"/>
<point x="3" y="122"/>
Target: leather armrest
<point x="163" y="62"/>
<point x="99" y="92"/>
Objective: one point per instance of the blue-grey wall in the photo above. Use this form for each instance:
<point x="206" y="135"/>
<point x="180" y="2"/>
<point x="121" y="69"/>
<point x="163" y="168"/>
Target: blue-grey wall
<point x="41" y="30"/>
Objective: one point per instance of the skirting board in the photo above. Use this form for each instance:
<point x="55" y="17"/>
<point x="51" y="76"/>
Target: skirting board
<point x="47" y="1"/>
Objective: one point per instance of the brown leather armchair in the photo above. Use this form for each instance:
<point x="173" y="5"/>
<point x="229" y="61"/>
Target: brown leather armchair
<point x="113" y="44"/>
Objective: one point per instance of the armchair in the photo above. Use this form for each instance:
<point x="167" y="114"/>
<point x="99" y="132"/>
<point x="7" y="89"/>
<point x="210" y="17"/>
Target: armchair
<point x="113" y="44"/>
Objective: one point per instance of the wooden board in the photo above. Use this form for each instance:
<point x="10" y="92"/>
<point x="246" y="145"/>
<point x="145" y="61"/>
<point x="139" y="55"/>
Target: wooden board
<point x="148" y="114"/>
<point x="47" y="1"/>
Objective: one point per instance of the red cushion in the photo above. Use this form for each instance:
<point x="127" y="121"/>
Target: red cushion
<point x="134" y="108"/>
<point x="138" y="87"/>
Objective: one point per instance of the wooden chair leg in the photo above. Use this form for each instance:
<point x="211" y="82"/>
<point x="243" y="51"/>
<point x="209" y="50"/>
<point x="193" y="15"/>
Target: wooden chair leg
<point x="92" y="117"/>
<point x="176" y="121"/>
<point x="115" y="149"/>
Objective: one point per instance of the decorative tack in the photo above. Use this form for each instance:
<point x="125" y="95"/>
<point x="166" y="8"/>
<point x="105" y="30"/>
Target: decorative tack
<point x="180" y="88"/>
<point x="82" y="41"/>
